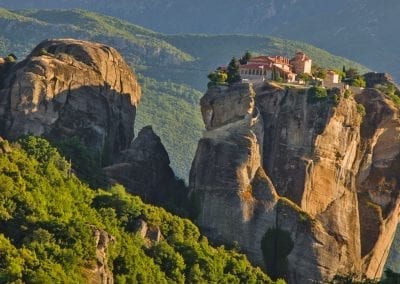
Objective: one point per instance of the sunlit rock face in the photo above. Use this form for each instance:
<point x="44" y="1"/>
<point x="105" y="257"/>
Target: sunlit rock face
<point x="67" y="88"/>
<point x="320" y="171"/>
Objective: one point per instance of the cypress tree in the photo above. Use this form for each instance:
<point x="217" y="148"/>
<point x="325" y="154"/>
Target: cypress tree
<point x="233" y="71"/>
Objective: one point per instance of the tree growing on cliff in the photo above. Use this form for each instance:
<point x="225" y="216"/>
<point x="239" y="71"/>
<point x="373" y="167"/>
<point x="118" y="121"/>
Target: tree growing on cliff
<point x="245" y="58"/>
<point x="11" y="57"/>
<point x="233" y="71"/>
<point x="217" y="77"/>
<point x="352" y="73"/>
<point x="353" y="78"/>
<point x="304" y="77"/>
<point x="319" y="72"/>
<point x="358" y="82"/>
<point x="316" y="94"/>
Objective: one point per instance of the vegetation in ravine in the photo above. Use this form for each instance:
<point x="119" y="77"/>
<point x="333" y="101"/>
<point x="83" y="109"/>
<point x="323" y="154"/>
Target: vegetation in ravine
<point x="47" y="218"/>
<point x="82" y="161"/>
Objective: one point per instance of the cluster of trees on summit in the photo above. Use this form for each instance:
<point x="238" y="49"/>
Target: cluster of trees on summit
<point x="232" y="74"/>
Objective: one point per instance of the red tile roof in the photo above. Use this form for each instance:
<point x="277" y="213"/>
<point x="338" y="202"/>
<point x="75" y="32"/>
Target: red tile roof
<point x="256" y="65"/>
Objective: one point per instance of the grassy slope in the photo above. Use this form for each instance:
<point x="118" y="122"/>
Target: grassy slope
<point x="170" y="60"/>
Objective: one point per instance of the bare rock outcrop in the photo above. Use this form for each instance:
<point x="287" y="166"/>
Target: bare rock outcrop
<point x="4" y="146"/>
<point x="373" y="78"/>
<point x="279" y="166"/>
<point x="67" y="88"/>
<point x="101" y="273"/>
<point x="144" y="168"/>
<point x="150" y="234"/>
<point x="70" y="88"/>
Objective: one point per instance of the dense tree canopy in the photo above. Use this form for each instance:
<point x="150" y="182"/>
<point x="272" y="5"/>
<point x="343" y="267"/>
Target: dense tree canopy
<point x="47" y="216"/>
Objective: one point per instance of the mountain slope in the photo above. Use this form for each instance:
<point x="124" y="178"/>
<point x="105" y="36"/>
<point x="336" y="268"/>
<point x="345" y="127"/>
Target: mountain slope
<point x="366" y="28"/>
<point x="87" y="236"/>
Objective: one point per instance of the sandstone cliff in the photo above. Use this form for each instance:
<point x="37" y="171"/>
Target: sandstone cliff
<point x="274" y="165"/>
<point x="67" y="88"/>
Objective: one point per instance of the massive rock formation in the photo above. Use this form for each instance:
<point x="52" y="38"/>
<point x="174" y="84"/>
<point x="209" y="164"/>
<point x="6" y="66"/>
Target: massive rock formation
<point x="67" y="88"/>
<point x="373" y="78"/>
<point x="276" y="166"/>
<point x="70" y="88"/>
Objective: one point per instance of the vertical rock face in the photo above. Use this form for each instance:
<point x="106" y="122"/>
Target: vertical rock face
<point x="67" y="88"/>
<point x="144" y="168"/>
<point x="70" y="88"/>
<point x="226" y="173"/>
<point x="378" y="181"/>
<point x="101" y="272"/>
<point x="271" y="159"/>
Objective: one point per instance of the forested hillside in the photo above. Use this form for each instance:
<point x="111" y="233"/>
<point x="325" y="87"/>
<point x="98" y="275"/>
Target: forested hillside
<point x="49" y="221"/>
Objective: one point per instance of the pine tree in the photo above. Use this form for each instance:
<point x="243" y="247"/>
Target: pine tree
<point x="233" y="71"/>
<point x="245" y="58"/>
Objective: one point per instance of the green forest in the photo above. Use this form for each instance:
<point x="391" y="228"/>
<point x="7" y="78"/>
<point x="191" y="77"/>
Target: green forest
<point x="48" y="217"/>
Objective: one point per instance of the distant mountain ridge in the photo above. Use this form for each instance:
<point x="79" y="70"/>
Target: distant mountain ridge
<point x="362" y="30"/>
